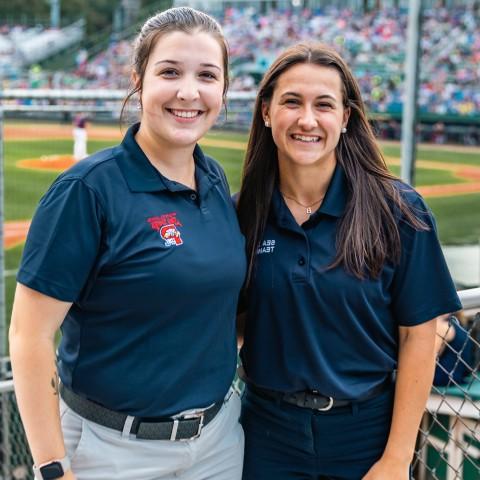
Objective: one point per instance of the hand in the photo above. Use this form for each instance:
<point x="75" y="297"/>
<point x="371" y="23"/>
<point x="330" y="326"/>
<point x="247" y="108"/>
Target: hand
<point x="388" y="469"/>
<point x="69" y="475"/>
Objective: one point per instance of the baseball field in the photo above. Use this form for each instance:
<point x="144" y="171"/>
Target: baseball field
<point x="447" y="176"/>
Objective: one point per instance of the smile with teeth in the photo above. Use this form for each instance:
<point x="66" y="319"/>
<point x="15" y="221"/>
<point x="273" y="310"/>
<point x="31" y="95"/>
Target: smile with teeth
<point x="306" y="138"/>
<point x="185" y="113"/>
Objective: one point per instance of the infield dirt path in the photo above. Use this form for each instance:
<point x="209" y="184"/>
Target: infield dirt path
<point x="15" y="232"/>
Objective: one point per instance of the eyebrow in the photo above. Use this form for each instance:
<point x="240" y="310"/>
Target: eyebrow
<point x="176" y="62"/>
<point x="320" y="97"/>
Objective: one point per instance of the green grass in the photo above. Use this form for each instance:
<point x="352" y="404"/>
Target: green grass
<point x="231" y="161"/>
<point x="446" y="156"/>
<point x="226" y="135"/>
<point x="427" y="176"/>
<point x="12" y="260"/>
<point x="458" y="218"/>
<point x="23" y="188"/>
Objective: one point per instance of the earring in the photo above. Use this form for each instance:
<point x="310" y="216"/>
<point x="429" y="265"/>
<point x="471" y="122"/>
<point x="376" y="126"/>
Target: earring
<point x="344" y="130"/>
<point x="267" y="123"/>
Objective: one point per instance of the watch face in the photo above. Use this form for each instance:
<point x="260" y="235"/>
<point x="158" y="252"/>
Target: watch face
<point x="52" y="471"/>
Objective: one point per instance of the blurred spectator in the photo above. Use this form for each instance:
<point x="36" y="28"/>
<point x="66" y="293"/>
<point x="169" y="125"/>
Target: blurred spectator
<point x="371" y="43"/>
<point x="454" y="349"/>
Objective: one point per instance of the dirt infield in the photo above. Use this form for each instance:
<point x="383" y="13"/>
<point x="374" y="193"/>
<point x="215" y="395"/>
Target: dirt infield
<point x="15" y="232"/>
<point x="44" y="131"/>
<point x="57" y="163"/>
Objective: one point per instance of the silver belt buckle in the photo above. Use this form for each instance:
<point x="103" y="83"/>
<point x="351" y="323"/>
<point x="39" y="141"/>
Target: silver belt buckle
<point x="328" y="407"/>
<point x="192" y="416"/>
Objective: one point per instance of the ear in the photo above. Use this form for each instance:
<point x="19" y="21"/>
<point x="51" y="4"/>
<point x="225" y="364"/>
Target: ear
<point x="136" y="80"/>
<point x="346" y="116"/>
<point x="265" y="113"/>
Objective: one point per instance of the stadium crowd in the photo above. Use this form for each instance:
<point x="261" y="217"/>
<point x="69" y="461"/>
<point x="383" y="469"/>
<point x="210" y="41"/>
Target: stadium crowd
<point x="372" y="43"/>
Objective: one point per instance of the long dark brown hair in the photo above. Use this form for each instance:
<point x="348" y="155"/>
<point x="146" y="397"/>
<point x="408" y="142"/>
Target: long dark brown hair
<point x="367" y="233"/>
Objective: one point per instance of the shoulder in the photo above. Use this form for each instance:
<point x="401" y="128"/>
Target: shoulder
<point x="413" y="201"/>
<point x="408" y="194"/>
<point x="92" y="176"/>
<point x="97" y="172"/>
<point x="92" y="165"/>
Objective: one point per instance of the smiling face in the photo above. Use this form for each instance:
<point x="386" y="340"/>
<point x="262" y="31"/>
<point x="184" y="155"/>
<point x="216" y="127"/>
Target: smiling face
<point x="306" y="114"/>
<point x="182" y="89"/>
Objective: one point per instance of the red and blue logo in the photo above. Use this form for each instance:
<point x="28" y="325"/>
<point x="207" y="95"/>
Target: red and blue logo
<point x="166" y="225"/>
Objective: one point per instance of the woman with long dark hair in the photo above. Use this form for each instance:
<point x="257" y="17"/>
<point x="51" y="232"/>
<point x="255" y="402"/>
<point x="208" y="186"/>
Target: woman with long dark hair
<point x="345" y="279"/>
<point x="136" y="254"/>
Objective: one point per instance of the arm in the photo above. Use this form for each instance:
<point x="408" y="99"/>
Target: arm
<point x="35" y="319"/>
<point x="416" y="363"/>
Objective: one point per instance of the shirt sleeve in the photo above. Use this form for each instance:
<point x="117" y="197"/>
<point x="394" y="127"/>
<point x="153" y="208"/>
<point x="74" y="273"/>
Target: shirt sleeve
<point x="422" y="287"/>
<point x="63" y="241"/>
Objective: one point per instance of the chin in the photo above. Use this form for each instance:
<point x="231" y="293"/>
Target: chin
<point x="184" y="139"/>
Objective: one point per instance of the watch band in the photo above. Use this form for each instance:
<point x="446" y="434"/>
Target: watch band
<point x="52" y="470"/>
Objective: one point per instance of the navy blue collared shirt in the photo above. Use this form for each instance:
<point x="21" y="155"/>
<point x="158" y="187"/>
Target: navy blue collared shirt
<point x="311" y="327"/>
<point x="153" y="269"/>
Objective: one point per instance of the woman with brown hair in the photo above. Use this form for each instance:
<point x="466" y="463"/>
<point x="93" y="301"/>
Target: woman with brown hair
<point x="345" y="279"/>
<point x="120" y="256"/>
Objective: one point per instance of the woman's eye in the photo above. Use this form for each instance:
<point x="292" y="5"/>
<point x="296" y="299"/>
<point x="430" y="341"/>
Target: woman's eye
<point x="325" y="106"/>
<point x="291" y="101"/>
<point x="169" y="73"/>
<point x="208" y="75"/>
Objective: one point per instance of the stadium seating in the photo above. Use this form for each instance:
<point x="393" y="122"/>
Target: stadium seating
<point x="372" y="44"/>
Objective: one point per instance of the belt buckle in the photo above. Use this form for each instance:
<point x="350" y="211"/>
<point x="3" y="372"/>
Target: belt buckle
<point x="190" y="416"/>
<point x="328" y="407"/>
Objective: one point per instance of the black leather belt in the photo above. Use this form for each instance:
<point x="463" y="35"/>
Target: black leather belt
<point x="314" y="400"/>
<point x="186" y="427"/>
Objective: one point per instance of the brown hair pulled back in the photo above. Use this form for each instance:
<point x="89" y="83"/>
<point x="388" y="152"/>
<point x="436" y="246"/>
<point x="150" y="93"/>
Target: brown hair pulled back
<point x="179" y="19"/>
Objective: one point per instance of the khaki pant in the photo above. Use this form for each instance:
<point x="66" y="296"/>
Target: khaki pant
<point x="100" y="453"/>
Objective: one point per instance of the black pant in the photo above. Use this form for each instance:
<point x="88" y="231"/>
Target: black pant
<point x="285" y="442"/>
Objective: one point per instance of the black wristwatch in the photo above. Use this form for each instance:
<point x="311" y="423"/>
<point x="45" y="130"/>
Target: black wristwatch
<point x="52" y="470"/>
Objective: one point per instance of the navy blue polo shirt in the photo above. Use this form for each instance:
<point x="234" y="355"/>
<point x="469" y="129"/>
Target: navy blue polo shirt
<point x="310" y="327"/>
<point x="153" y="269"/>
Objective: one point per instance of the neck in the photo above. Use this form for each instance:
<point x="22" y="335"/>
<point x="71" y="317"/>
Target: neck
<point x="174" y="163"/>
<point x="306" y="184"/>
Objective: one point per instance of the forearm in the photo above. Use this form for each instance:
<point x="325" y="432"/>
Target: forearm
<point x="416" y="364"/>
<point x="36" y="387"/>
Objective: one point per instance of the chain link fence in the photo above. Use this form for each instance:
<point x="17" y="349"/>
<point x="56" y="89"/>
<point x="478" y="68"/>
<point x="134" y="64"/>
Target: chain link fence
<point x="448" y="446"/>
<point x="15" y="459"/>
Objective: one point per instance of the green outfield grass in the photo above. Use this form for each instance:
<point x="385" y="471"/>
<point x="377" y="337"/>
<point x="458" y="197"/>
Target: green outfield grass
<point x="458" y="217"/>
<point x="449" y="155"/>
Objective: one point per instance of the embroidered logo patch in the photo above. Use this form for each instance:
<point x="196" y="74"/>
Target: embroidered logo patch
<point x="166" y="225"/>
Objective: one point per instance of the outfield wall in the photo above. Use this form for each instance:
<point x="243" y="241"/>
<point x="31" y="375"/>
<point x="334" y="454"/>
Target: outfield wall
<point x="106" y="106"/>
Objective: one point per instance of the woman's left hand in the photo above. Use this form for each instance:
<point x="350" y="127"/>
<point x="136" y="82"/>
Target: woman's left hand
<point x="388" y="469"/>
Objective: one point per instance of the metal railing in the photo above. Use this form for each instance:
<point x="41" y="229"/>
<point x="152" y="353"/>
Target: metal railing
<point x="448" y="446"/>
